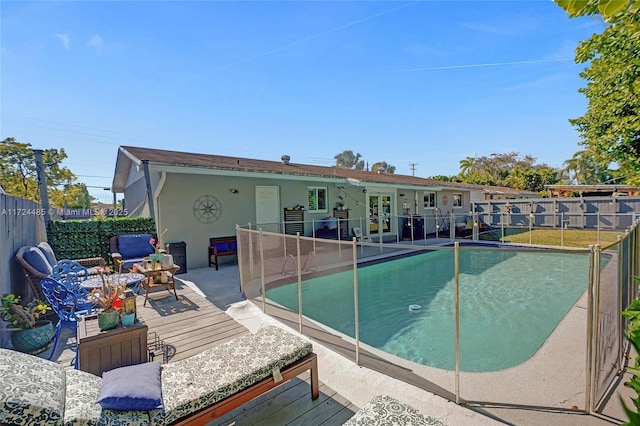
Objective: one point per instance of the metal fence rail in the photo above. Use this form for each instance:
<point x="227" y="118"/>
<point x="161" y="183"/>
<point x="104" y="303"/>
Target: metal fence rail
<point x="271" y="261"/>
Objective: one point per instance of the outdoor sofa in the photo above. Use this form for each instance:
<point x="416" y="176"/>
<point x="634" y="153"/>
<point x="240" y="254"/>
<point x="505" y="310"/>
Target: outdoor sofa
<point x="191" y="391"/>
<point x="129" y="249"/>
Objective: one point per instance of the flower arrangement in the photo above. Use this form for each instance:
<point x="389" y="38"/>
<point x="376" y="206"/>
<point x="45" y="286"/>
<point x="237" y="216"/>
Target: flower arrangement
<point x="108" y="296"/>
<point x="20" y="316"/>
<point x="155" y="244"/>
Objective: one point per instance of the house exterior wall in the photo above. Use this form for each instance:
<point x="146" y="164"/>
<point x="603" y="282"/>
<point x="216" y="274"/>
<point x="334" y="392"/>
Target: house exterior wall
<point x="135" y="199"/>
<point x="192" y="204"/>
<point x="180" y="194"/>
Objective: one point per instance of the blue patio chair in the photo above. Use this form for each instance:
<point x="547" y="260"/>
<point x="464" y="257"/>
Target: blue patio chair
<point x="72" y="274"/>
<point x="63" y="302"/>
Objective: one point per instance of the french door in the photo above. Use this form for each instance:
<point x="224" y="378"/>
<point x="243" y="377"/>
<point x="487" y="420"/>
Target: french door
<point x="380" y="213"/>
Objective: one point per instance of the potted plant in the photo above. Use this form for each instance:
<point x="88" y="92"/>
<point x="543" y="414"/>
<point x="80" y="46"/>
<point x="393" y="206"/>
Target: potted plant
<point x="29" y="333"/>
<point x="108" y="299"/>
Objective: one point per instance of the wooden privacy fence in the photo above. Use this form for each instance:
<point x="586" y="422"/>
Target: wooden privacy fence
<point x="22" y="223"/>
<point x="592" y="212"/>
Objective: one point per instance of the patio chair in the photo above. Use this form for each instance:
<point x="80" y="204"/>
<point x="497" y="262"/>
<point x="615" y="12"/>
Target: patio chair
<point x="37" y="263"/>
<point x="73" y="274"/>
<point x="63" y="302"/>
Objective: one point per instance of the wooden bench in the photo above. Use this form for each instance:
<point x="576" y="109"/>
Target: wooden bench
<point x="221" y="246"/>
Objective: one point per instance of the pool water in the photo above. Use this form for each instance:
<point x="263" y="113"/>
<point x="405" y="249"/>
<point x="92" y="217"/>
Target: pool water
<point x="510" y="302"/>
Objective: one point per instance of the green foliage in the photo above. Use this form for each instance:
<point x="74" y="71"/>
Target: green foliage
<point x="80" y="239"/>
<point x="607" y="8"/>
<point x="21" y="316"/>
<point x="610" y="129"/>
<point x="388" y="168"/>
<point x="19" y="176"/>
<point x="587" y="167"/>
<point x="349" y="160"/>
<point x="508" y="170"/>
<point x="632" y="314"/>
<point x="73" y="196"/>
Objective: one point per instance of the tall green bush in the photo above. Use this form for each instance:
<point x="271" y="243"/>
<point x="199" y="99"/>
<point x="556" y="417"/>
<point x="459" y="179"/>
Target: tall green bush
<point x="632" y="314"/>
<point x="79" y="239"/>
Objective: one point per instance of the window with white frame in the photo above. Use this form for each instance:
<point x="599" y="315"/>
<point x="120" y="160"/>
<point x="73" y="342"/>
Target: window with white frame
<point x="317" y="199"/>
<point x="456" y="199"/>
<point x="429" y="200"/>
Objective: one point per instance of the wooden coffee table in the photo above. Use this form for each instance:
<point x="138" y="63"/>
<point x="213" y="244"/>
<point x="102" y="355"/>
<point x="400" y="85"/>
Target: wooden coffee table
<point x="150" y="281"/>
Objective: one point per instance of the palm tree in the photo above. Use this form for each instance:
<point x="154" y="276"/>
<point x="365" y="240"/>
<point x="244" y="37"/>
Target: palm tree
<point x="467" y="166"/>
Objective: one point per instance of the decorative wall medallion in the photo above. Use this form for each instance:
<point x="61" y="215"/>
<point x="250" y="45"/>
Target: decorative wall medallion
<point x="207" y="209"/>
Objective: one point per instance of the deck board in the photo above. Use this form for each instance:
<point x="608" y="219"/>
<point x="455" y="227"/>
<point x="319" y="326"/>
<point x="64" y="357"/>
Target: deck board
<point x="192" y="324"/>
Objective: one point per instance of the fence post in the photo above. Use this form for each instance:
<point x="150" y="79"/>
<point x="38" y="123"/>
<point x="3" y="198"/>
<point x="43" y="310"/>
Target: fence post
<point x="596" y="325"/>
<point x="456" y="251"/>
<point x="264" y="296"/>
<point x="589" y="361"/>
<point x="452" y="226"/>
<point x="299" y="283"/>
<point x="355" y="299"/>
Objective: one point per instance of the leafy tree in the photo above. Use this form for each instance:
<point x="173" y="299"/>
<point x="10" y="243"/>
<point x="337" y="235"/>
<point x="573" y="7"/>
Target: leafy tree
<point x="608" y="8"/>
<point x="610" y="129"/>
<point x="508" y="169"/>
<point x="73" y="196"/>
<point x="19" y="176"/>
<point x="349" y="160"/>
<point x="443" y="178"/>
<point x="383" y="165"/>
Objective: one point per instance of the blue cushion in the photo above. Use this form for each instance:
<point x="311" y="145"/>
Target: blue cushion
<point x="221" y="247"/>
<point x="48" y="253"/>
<point x="135" y="245"/>
<point x="233" y="246"/>
<point x="34" y="257"/>
<point x="135" y="387"/>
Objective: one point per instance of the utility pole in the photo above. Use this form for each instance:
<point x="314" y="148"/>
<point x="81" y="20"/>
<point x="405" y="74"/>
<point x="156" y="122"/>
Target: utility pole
<point x="413" y="168"/>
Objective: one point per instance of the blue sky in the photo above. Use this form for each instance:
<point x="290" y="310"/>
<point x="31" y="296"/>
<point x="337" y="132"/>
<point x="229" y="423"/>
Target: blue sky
<point x="427" y="83"/>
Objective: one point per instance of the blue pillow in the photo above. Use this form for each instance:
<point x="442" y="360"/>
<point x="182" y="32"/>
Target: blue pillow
<point x="135" y="387"/>
<point x="48" y="253"/>
<point x="36" y="259"/>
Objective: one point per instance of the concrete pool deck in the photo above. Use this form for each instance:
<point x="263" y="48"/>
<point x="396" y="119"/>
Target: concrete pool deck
<point x="360" y="384"/>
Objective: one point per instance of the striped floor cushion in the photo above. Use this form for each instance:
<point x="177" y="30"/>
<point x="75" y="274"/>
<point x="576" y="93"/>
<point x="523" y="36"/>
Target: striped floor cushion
<point x="208" y="377"/>
<point x="384" y="410"/>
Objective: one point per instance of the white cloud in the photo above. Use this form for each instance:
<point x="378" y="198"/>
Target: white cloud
<point x="64" y="39"/>
<point x="95" y="42"/>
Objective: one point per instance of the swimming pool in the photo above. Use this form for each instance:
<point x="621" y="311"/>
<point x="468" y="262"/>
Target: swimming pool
<point x="510" y="302"/>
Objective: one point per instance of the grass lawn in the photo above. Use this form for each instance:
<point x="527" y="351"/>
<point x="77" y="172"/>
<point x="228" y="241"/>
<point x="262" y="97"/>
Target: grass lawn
<point x="556" y="237"/>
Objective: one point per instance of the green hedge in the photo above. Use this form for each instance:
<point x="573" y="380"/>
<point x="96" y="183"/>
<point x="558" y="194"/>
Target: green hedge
<point x="79" y="239"/>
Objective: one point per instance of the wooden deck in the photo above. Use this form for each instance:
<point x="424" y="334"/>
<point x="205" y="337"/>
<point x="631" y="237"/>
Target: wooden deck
<point x="193" y="324"/>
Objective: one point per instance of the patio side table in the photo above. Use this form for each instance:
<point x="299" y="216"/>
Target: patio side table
<point x="100" y="351"/>
<point x="151" y="280"/>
